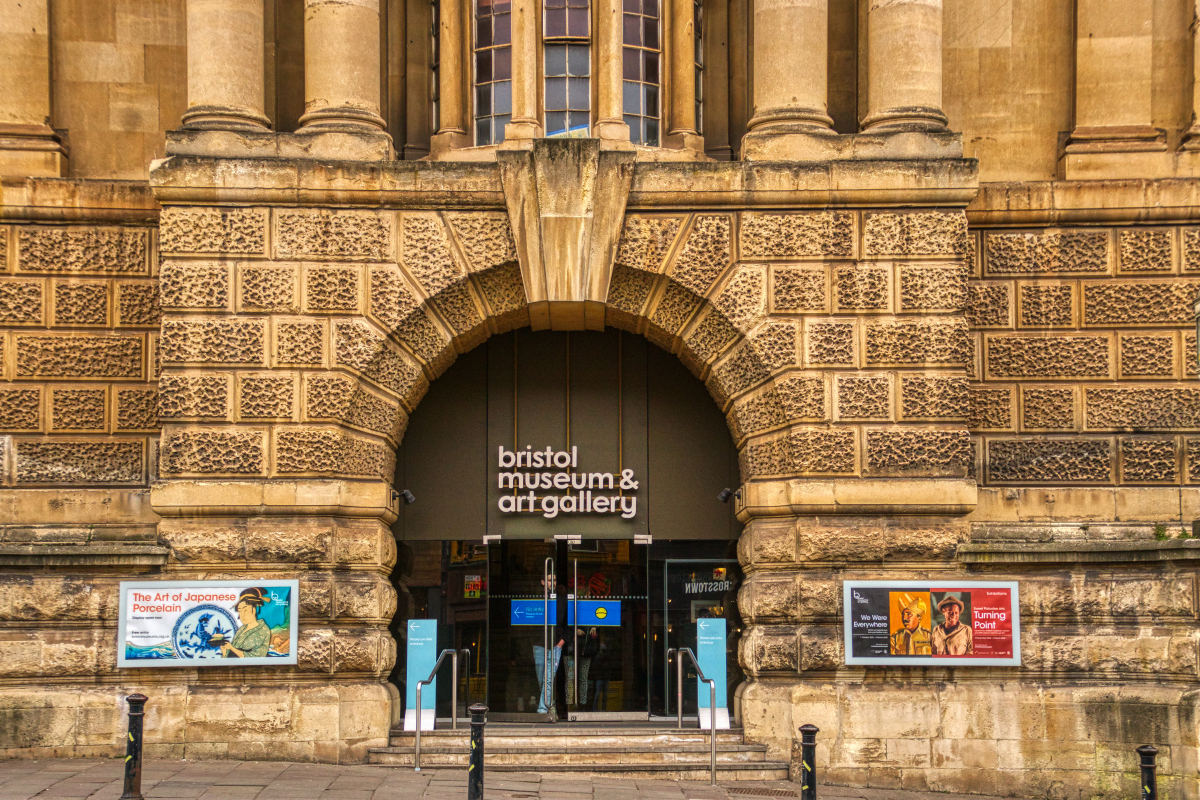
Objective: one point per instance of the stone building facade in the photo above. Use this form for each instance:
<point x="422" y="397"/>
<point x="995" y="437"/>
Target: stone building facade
<point x="934" y="260"/>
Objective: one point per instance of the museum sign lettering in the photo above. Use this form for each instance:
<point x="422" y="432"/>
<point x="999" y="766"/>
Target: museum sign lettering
<point x="548" y="482"/>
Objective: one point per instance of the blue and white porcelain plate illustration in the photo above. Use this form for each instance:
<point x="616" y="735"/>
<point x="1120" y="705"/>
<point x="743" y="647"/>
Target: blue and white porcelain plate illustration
<point x="193" y="632"/>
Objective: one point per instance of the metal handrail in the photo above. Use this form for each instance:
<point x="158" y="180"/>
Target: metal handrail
<point x="453" y="697"/>
<point x="712" y="704"/>
<point x="548" y="577"/>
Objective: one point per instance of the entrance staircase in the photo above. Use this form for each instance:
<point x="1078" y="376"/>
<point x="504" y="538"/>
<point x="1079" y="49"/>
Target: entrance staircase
<point x="628" y="751"/>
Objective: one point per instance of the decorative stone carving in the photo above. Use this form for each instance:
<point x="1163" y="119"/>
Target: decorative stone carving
<point x="486" y="239"/>
<point x="59" y="248"/>
<point x="1047" y="305"/>
<point x="1052" y="252"/>
<point x="77" y="356"/>
<point x="705" y="254"/>
<point x="988" y="305"/>
<point x="20" y="302"/>
<point x="1149" y="460"/>
<point x="1050" y="460"/>
<point x="299" y="343"/>
<point x="1130" y="303"/>
<point x="331" y="288"/>
<point x="864" y="397"/>
<point x="427" y="254"/>
<point x="798" y="289"/>
<point x="137" y="410"/>
<point x="926" y="453"/>
<point x="1147" y="356"/>
<point x="212" y="452"/>
<point x="933" y="287"/>
<point x="138" y="304"/>
<point x="830" y="343"/>
<point x="797" y="235"/>
<point x="862" y="288"/>
<point x="1048" y="408"/>
<point x="328" y="234"/>
<point x="78" y="409"/>
<point x="920" y="233"/>
<point x="20" y="409"/>
<point x="933" y="397"/>
<point x="918" y="341"/>
<point x="194" y="284"/>
<point x="193" y="396"/>
<point x="241" y="231"/>
<point x="1146" y="250"/>
<point x="213" y="341"/>
<point x="1048" y="357"/>
<point x="79" y="462"/>
<point x="991" y="409"/>
<point x="645" y="241"/>
<point x="265" y="396"/>
<point x="81" y="303"/>
<point x="1158" y="407"/>
<point x="267" y="288"/>
<point x="330" y="451"/>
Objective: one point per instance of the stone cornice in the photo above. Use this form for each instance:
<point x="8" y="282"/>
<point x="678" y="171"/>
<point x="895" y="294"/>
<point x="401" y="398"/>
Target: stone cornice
<point x="70" y="200"/>
<point x="1099" y="202"/>
<point x="1079" y="552"/>
<point x="87" y="555"/>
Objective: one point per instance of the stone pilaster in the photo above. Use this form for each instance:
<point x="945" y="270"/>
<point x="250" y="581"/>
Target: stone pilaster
<point x="524" y="127"/>
<point x="684" y="133"/>
<point x="28" y="145"/>
<point x="452" y="105"/>
<point x="610" y="123"/>
<point x="904" y="66"/>
<point x="341" y="65"/>
<point x="225" y="65"/>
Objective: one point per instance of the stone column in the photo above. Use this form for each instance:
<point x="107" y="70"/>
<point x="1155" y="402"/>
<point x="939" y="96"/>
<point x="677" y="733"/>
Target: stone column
<point x="1191" y="138"/>
<point x="790" y="78"/>
<point x="225" y="65"/>
<point x="610" y="118"/>
<point x="683" y="133"/>
<point x="341" y="65"/>
<point x="452" y="131"/>
<point x="524" y="124"/>
<point x="28" y="145"/>
<point x="904" y="65"/>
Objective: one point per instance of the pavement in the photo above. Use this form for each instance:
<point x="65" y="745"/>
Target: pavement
<point x="102" y="779"/>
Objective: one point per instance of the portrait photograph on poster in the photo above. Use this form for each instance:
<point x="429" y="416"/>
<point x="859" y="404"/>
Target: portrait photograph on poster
<point x="964" y="623"/>
<point x="207" y="623"/>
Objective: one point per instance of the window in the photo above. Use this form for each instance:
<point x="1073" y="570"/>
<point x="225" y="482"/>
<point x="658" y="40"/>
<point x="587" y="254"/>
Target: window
<point x="641" y="58"/>
<point x="435" y="24"/>
<point x="493" y="70"/>
<point x="568" y="67"/>
<point x="698" y="31"/>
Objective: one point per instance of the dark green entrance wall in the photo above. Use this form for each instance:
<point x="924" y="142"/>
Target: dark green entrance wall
<point x="620" y="399"/>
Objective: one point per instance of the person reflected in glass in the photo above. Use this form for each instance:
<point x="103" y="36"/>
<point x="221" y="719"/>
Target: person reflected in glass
<point x="545" y="663"/>
<point x="587" y="649"/>
<point x="253" y="636"/>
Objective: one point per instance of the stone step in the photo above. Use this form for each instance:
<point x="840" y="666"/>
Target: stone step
<point x="570" y="738"/>
<point x="742" y="771"/>
<point x="542" y="757"/>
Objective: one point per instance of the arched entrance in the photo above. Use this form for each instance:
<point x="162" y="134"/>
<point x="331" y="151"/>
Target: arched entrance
<point x="646" y="567"/>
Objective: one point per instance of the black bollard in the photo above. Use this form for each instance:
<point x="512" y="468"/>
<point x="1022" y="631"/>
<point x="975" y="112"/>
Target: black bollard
<point x="1149" y="754"/>
<point x="133" y="748"/>
<point x="808" y="762"/>
<point x="475" y="770"/>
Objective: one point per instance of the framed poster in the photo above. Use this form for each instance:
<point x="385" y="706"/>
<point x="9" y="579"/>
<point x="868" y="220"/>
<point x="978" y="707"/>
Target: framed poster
<point x="208" y="623"/>
<point x="923" y="623"/>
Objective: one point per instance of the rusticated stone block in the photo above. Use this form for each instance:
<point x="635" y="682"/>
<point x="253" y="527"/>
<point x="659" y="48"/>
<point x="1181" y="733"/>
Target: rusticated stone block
<point x="331" y="288"/>
<point x="81" y="303"/>
<point x="213" y="230"/>
<point x="20" y="302"/>
<point x="1054" y="252"/>
<point x="505" y="293"/>
<point x="358" y="347"/>
<point x="1147" y="356"/>
<point x="796" y="289"/>
<point x="212" y="452"/>
<point x="194" y="284"/>
<point x="77" y="409"/>
<point x="933" y="288"/>
<point x="77" y="356"/>
<point x="20" y="409"/>
<point x="991" y="409"/>
<point x="456" y="304"/>
<point x="860" y="541"/>
<point x="743" y="300"/>
<point x="918" y="341"/>
<point x="920" y="233"/>
<point x="1163" y="407"/>
<point x="988" y="305"/>
<point x="137" y="410"/>
<point x="1189" y="355"/>
<point x="1147" y="460"/>
<point x="766" y="458"/>
<point x="1193" y="459"/>
<point x="1047" y="305"/>
<point x="341" y="398"/>
<point x="328" y="450"/>
<point x="797" y="235"/>
<point x="710" y="337"/>
<point x="864" y="397"/>
<point x="193" y="396"/>
<point x="138" y="304"/>
<point x="423" y="337"/>
<point x="830" y="343"/>
<point x="933" y="397"/>
<point x="802" y="398"/>
<point x="645" y="241"/>
<point x="1130" y="303"/>
<point x="1191" y="250"/>
<point x="705" y="255"/>
<point x="427" y="254"/>
<point x="1146" y="250"/>
<point x="756" y="414"/>
<point x="389" y="297"/>
<point x="485" y="238"/>
<point x="265" y="396"/>
<point x="1048" y="357"/>
<point x="81" y="462"/>
<point x="767" y="650"/>
<point x="862" y="288"/>
<point x="213" y="341"/>
<point x="674" y="308"/>
<point x="800" y="451"/>
<point x="894" y="453"/>
<point x="1050" y="460"/>
<point x="58" y="248"/>
<point x="339" y="235"/>
<point x="1049" y="408"/>
<point x="629" y="289"/>
<point x="299" y="343"/>
<point x="267" y="288"/>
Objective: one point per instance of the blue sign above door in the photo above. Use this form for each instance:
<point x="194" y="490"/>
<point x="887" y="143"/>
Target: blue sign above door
<point x="592" y="613"/>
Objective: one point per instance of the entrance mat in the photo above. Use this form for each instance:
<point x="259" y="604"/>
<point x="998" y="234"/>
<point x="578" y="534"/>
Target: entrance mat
<point x="762" y="792"/>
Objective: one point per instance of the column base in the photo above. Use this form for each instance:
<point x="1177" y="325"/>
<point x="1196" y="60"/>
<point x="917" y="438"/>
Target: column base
<point x="520" y="135"/>
<point x="445" y="141"/>
<point x="360" y="145"/>
<point x="31" y="151"/>
<point x="685" y="140"/>
<point x="914" y="118"/>
<point x="793" y="141"/>
<point x="346" y="119"/>
<point x="1191" y="138"/>
<point x="224" y="118"/>
<point x="1117" y="139"/>
<point x="1116" y="152"/>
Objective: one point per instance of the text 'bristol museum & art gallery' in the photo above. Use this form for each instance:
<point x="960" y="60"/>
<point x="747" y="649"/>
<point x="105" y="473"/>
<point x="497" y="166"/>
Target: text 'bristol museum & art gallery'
<point x="848" y="345"/>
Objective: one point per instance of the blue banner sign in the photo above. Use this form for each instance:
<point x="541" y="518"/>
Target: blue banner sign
<point x="592" y="613"/>
<point x="711" y="655"/>
<point x="422" y="655"/>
